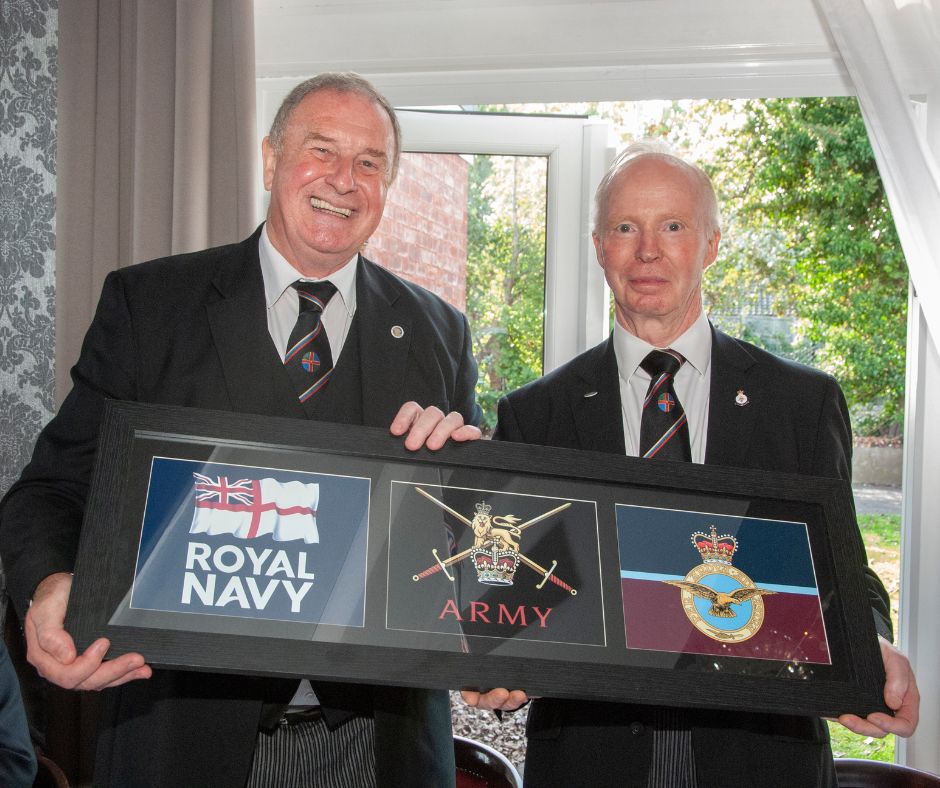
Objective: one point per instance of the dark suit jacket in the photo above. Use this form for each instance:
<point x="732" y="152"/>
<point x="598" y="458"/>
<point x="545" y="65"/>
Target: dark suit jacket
<point x="795" y="421"/>
<point x="191" y="330"/>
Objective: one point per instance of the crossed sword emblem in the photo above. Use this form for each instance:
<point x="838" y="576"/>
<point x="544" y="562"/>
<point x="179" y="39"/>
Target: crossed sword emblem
<point x="441" y="565"/>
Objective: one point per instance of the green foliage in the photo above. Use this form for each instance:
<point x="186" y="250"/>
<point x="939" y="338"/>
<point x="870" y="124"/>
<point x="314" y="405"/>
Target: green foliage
<point x="505" y="275"/>
<point x="807" y="219"/>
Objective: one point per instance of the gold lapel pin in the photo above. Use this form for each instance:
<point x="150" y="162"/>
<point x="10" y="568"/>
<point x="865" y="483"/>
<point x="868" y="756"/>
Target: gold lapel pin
<point x="741" y="399"/>
<point x="398" y="332"/>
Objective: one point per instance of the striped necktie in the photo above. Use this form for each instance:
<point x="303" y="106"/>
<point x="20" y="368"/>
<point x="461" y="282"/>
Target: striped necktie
<point x="664" y="434"/>
<point x="308" y="360"/>
<point x="664" y="429"/>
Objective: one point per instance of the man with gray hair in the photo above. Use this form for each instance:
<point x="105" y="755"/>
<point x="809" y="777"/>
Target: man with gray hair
<point x="668" y="385"/>
<point x="291" y="322"/>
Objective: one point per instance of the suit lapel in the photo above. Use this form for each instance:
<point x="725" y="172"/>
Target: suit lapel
<point x="734" y="401"/>
<point x="252" y="370"/>
<point x="385" y="339"/>
<point x="595" y="402"/>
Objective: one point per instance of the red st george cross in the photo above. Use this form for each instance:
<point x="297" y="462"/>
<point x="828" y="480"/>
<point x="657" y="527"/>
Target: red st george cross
<point x="243" y="495"/>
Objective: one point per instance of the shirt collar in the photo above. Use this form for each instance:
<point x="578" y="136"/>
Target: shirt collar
<point x="695" y="345"/>
<point x="278" y="275"/>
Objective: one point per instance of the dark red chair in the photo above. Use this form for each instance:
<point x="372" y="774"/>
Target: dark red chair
<point x="480" y="766"/>
<point x="49" y="775"/>
<point x="859" y="773"/>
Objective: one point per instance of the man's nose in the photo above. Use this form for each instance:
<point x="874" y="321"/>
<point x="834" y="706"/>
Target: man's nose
<point x="342" y="175"/>
<point x="647" y="248"/>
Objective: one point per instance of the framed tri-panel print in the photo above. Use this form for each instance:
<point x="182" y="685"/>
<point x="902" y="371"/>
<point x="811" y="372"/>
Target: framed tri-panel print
<point x="248" y="544"/>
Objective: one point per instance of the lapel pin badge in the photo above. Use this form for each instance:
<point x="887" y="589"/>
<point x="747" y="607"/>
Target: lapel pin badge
<point x="398" y="332"/>
<point x="741" y="399"/>
<point x="590" y="394"/>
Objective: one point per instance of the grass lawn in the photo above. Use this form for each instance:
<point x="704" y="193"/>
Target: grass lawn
<point x="882" y="535"/>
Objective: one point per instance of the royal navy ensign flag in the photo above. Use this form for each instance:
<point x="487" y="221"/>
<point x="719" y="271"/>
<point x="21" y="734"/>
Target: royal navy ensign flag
<point x="249" y="508"/>
<point x="253" y="542"/>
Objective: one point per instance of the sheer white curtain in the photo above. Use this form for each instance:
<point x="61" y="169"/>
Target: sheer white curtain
<point x="891" y="49"/>
<point x="882" y="43"/>
<point x="156" y="135"/>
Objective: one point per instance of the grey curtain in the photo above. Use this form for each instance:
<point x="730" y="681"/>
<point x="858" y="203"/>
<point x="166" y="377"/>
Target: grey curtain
<point x="157" y="149"/>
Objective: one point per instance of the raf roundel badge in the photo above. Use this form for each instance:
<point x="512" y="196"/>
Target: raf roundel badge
<point x="741" y="399"/>
<point x="720" y="600"/>
<point x="398" y="332"/>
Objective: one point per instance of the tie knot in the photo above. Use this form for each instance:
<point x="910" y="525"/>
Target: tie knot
<point x="662" y="361"/>
<point x="314" y="295"/>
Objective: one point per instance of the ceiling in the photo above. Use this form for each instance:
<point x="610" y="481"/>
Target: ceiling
<point x="478" y="51"/>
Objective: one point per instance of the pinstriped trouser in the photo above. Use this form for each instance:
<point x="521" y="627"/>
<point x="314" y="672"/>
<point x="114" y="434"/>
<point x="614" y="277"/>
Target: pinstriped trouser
<point x="673" y="761"/>
<point x="309" y="754"/>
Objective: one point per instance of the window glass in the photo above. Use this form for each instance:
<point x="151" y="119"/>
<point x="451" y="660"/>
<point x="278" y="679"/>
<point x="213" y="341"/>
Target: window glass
<point x="472" y="228"/>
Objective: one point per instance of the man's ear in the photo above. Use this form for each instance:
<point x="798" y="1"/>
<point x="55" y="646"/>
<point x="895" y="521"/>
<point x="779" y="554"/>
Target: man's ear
<point x="711" y="253"/>
<point x="269" y="162"/>
<point x="598" y="248"/>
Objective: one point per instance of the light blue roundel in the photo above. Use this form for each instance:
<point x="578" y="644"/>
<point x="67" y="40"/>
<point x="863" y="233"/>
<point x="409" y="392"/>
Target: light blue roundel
<point x="727" y="585"/>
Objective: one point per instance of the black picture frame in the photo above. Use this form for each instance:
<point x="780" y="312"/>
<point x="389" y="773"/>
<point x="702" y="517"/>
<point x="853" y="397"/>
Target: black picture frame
<point x="601" y="622"/>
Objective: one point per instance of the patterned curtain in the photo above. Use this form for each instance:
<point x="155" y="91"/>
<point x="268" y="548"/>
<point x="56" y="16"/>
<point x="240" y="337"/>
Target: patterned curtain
<point x="28" y="76"/>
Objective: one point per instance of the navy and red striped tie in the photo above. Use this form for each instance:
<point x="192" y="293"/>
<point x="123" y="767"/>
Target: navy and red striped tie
<point x="308" y="359"/>
<point x="664" y="429"/>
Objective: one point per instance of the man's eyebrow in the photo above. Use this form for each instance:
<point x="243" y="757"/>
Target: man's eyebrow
<point x="314" y="136"/>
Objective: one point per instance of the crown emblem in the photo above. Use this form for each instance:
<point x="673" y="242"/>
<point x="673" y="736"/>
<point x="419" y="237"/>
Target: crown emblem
<point x="483" y="508"/>
<point x="495" y="566"/>
<point x="713" y="548"/>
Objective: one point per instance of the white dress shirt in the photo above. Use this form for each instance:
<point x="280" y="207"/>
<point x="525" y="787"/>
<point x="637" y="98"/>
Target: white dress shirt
<point x="691" y="382"/>
<point x="283" y="303"/>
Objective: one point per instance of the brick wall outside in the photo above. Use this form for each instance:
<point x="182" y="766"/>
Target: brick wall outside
<point x="423" y="234"/>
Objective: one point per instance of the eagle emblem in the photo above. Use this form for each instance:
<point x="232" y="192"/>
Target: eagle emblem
<point x="719" y="599"/>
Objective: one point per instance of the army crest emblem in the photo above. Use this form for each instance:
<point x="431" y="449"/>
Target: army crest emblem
<point x="495" y="553"/>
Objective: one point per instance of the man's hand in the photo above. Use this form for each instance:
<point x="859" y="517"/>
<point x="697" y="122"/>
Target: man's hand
<point x="430" y="427"/>
<point x="51" y="650"/>
<point x="901" y="695"/>
<point x="500" y="698"/>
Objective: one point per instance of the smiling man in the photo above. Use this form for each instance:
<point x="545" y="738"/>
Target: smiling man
<point x="291" y="322"/>
<point x="669" y="386"/>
